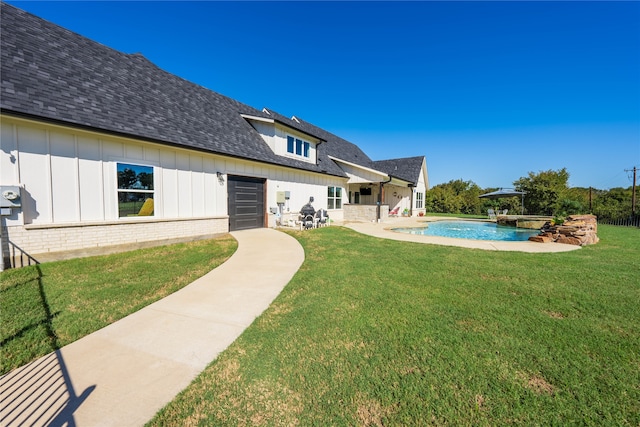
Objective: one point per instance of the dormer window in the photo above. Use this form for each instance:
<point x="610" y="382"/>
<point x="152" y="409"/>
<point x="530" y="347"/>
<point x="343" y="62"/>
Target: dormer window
<point x="297" y="146"/>
<point x="285" y="140"/>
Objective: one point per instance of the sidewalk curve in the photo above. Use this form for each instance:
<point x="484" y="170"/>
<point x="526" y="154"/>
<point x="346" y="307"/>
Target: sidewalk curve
<point x="124" y="373"/>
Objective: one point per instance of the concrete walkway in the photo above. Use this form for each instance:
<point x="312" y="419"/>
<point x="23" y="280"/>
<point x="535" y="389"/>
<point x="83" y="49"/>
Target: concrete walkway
<point x="124" y="373"/>
<point x="383" y="231"/>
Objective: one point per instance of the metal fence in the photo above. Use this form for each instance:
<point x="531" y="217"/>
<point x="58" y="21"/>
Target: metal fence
<point x="624" y="222"/>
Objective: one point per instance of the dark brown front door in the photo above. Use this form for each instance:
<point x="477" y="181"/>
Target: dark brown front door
<point x="246" y="202"/>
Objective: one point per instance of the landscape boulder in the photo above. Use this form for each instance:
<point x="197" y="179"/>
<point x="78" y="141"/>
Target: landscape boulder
<point x="580" y="230"/>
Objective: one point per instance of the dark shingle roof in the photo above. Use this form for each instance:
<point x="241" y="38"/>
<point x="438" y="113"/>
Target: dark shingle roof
<point x="290" y="123"/>
<point x="54" y="74"/>
<point x="407" y="168"/>
<point x="50" y="73"/>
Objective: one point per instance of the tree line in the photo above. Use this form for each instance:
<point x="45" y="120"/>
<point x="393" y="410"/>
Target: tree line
<point x="547" y="193"/>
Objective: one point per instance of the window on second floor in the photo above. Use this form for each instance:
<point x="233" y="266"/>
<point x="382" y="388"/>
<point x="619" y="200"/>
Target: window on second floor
<point x="298" y="146"/>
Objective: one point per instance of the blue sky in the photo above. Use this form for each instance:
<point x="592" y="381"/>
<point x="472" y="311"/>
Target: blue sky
<point x="487" y="91"/>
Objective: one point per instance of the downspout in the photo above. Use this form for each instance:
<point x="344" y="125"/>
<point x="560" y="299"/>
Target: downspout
<point x="382" y="183"/>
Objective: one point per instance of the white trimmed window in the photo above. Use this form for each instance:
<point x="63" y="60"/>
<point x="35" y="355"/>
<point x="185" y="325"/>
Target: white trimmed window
<point x="334" y="197"/>
<point x="135" y="190"/>
<point x="419" y="200"/>
<point x="297" y="146"/>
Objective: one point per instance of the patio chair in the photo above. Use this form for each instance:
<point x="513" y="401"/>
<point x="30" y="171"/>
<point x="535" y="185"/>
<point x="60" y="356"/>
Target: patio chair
<point x="491" y="213"/>
<point x="321" y="218"/>
<point x="504" y="212"/>
<point x="394" y="211"/>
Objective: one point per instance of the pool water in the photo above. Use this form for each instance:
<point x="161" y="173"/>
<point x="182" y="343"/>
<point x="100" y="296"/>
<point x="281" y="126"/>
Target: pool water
<point x="471" y="230"/>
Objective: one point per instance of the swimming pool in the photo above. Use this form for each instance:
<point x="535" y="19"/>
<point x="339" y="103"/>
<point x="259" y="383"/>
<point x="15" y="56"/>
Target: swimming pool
<point x="471" y="230"/>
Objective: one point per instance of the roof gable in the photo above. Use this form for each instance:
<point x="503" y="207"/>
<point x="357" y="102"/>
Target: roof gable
<point x="407" y="168"/>
<point x="290" y="123"/>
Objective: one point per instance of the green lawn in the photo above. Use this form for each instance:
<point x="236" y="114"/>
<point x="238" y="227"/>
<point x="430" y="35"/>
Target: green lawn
<point x="380" y="332"/>
<point x="377" y="332"/>
<point x="47" y="306"/>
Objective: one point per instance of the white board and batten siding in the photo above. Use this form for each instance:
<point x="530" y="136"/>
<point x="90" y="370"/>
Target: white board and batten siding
<point x="70" y="176"/>
<point x="306" y="185"/>
<point x="69" y="180"/>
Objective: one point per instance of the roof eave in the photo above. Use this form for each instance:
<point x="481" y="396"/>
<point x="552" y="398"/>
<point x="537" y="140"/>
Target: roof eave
<point x="64" y="124"/>
<point x="256" y="118"/>
<point x="364" y="168"/>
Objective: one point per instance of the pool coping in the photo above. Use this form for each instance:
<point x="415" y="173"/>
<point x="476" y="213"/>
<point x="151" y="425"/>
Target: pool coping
<point x="384" y="230"/>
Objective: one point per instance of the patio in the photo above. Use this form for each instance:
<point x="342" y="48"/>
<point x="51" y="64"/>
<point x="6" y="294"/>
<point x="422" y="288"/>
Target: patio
<point x="383" y="230"/>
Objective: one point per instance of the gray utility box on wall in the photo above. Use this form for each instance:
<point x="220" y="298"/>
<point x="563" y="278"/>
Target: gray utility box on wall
<point x="9" y="198"/>
<point x="282" y="196"/>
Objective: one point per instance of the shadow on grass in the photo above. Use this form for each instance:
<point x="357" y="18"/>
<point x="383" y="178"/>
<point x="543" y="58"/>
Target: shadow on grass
<point x="41" y="392"/>
<point x="46" y="321"/>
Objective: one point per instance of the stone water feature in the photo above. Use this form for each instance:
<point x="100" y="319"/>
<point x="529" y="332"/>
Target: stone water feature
<point x="580" y="230"/>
